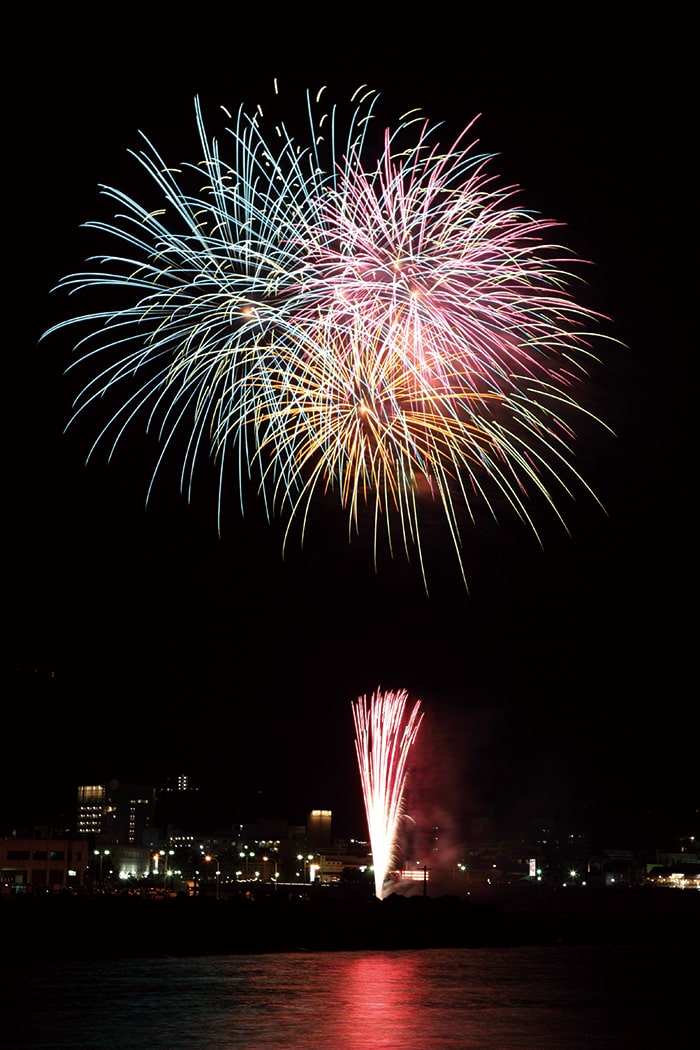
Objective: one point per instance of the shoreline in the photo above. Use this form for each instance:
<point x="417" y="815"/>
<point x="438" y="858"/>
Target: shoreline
<point x="34" y="928"/>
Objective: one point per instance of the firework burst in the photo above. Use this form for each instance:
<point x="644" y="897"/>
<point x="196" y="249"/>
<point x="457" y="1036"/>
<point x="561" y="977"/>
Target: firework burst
<point x="385" y="732"/>
<point x="371" y="318"/>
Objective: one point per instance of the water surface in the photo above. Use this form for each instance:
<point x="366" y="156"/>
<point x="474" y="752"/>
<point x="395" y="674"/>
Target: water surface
<point x="529" y="998"/>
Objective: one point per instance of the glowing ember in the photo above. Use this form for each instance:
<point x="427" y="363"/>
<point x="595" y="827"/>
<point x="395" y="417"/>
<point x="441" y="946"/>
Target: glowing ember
<point x="384" y="735"/>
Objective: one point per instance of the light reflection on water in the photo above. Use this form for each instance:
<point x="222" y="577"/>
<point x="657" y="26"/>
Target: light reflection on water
<point x="443" y="999"/>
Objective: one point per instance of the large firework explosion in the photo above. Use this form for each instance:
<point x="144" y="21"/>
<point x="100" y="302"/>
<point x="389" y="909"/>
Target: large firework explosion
<point x="370" y="317"/>
<point x="384" y="735"/>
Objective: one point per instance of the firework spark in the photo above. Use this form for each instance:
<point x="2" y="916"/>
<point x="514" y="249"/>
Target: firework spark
<point x="370" y="317"/>
<point x="384" y="735"/>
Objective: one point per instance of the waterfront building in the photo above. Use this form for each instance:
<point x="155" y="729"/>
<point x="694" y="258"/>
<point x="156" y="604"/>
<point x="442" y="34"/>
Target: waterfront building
<point x="43" y="862"/>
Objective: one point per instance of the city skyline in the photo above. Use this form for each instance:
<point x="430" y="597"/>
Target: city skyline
<point x="141" y="640"/>
<point x="179" y="815"/>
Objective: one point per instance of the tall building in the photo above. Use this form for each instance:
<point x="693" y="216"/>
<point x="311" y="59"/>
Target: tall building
<point x="318" y="829"/>
<point x="91" y="809"/>
<point x="121" y="812"/>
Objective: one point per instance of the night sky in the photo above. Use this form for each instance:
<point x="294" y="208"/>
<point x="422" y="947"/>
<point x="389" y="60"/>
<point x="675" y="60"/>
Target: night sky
<point x="142" y="644"/>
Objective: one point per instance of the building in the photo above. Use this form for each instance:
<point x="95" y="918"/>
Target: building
<point x="92" y="800"/>
<point x="43" y="862"/>
<point x="318" y="829"/>
<point x="119" y="812"/>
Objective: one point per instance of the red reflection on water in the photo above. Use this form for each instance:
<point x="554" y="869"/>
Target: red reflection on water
<point x="379" y="995"/>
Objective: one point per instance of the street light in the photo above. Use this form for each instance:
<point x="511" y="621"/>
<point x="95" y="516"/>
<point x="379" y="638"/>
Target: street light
<point x="247" y="857"/>
<point x="101" y="854"/>
<point x="274" y="861"/>
<point x="306" y="861"/>
<point x="210" y="857"/>
<point x="165" y="854"/>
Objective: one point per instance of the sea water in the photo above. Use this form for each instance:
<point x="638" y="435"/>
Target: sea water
<point x="524" y="998"/>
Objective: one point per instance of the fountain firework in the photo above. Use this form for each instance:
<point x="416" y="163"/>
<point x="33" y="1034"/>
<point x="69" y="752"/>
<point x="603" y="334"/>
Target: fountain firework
<point x="384" y="735"/>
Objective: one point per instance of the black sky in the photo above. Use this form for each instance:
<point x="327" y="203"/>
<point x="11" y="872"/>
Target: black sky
<point x="141" y="644"/>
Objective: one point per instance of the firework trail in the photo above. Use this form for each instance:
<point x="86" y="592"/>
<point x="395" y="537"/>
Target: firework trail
<point x="384" y="735"/>
<point x="369" y="317"/>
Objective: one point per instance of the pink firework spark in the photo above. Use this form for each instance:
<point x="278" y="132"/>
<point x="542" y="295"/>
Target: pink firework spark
<point x="338" y="315"/>
<point x="384" y="735"/>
